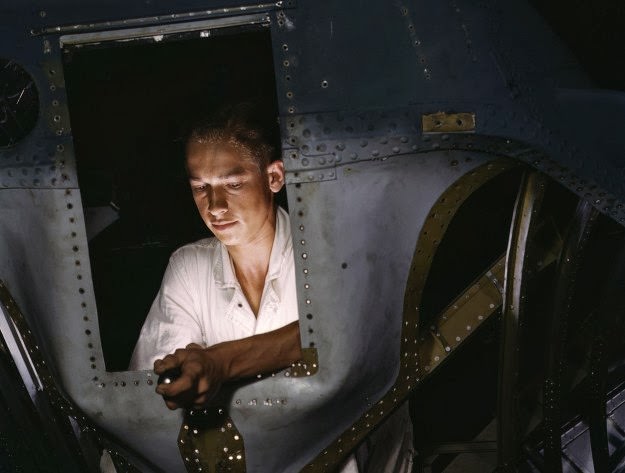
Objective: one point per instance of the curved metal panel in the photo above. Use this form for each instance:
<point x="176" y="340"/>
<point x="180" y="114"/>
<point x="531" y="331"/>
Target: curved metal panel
<point x="523" y="227"/>
<point x="418" y="357"/>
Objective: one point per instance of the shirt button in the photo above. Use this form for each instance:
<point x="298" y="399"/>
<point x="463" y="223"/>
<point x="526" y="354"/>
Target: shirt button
<point x="240" y="305"/>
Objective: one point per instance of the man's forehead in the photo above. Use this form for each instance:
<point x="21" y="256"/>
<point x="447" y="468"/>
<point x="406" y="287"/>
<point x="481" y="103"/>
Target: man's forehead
<point x="205" y="161"/>
<point x="226" y="173"/>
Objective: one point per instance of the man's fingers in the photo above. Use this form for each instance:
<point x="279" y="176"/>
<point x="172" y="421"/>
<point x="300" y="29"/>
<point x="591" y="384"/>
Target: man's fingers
<point x="167" y="363"/>
<point x="172" y="405"/>
<point x="195" y="382"/>
<point x="182" y="384"/>
<point x="172" y="360"/>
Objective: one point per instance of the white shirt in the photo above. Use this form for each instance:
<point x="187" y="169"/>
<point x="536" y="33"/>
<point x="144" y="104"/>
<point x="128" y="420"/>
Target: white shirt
<point x="201" y="301"/>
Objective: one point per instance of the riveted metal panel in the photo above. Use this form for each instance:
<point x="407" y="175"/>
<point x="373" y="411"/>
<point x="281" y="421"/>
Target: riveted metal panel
<point x="362" y="180"/>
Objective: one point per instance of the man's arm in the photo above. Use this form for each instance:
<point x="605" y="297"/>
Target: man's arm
<point x="203" y="370"/>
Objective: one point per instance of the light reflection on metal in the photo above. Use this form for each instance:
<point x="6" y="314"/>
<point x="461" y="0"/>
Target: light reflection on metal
<point x="410" y="372"/>
<point x="522" y="229"/>
<point x="307" y="366"/>
<point x="442" y="122"/>
<point x="210" y="442"/>
<point x="39" y="368"/>
<point x="53" y="408"/>
<point x="461" y="318"/>
<point x="160" y="20"/>
<point x="158" y="31"/>
<point x="209" y="439"/>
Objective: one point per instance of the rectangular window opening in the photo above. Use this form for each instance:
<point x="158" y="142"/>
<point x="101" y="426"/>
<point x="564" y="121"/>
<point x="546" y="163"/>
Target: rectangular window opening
<point x="130" y="103"/>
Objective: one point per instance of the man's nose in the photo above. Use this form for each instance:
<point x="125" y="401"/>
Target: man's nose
<point x="217" y="203"/>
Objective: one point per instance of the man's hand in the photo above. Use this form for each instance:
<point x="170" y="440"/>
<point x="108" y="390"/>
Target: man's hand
<point x="204" y="370"/>
<point x="201" y="376"/>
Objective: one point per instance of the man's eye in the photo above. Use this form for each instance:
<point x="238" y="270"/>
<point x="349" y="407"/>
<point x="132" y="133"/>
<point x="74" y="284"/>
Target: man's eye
<point x="198" y="189"/>
<point x="235" y="185"/>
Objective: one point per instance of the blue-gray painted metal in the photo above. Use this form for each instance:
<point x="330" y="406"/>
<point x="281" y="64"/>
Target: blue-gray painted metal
<point x="373" y="68"/>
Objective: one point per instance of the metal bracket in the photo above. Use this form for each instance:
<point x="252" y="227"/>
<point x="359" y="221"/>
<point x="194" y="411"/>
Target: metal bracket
<point x="159" y="31"/>
<point x="307" y="366"/>
<point x="442" y="122"/>
<point x="163" y="20"/>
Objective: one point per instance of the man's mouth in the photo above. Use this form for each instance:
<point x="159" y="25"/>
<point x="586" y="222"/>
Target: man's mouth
<point x="222" y="225"/>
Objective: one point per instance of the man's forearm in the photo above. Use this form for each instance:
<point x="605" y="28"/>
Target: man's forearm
<point x="259" y="354"/>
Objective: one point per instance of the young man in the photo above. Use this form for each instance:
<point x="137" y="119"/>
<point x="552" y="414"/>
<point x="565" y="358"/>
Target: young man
<point x="219" y="294"/>
<point x="231" y="300"/>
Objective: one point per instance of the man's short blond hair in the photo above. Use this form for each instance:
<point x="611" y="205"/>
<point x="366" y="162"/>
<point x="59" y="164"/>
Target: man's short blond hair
<point x="238" y="128"/>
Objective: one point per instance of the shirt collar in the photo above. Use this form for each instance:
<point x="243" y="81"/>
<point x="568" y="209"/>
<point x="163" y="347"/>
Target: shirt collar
<point x="223" y="272"/>
<point x="281" y="245"/>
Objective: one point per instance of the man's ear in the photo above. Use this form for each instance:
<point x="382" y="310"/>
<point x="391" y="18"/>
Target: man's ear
<point x="275" y="175"/>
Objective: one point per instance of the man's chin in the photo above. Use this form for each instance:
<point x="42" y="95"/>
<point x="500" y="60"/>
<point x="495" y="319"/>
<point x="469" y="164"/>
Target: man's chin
<point x="226" y="238"/>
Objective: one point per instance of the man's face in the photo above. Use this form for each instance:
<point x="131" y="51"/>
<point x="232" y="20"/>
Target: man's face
<point x="234" y="198"/>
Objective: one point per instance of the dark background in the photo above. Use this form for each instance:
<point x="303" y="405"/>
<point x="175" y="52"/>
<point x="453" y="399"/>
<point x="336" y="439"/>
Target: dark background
<point x="595" y="32"/>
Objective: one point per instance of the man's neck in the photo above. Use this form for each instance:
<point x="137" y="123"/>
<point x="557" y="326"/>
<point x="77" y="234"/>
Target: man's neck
<point x="251" y="264"/>
<point x="252" y="259"/>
